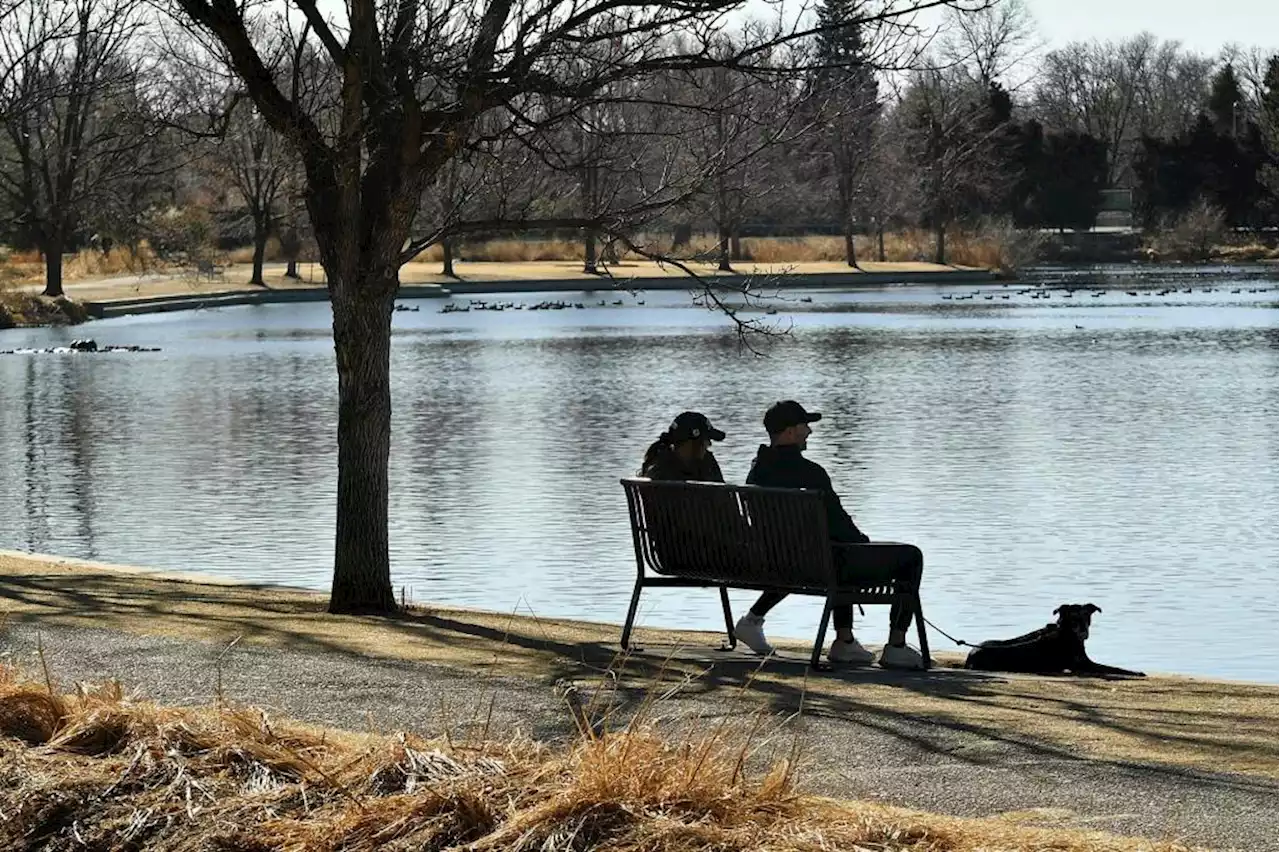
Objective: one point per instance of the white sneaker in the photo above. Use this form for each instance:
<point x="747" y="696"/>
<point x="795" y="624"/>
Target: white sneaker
<point x="900" y="657"/>
<point x="750" y="632"/>
<point x="850" y="652"/>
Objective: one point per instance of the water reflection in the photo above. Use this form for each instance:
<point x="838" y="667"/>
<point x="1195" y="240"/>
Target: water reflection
<point x="1034" y="462"/>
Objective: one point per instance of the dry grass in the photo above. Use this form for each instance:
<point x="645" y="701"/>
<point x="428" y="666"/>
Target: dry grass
<point x="27" y="267"/>
<point x="982" y="248"/>
<point x="19" y="308"/>
<point x="95" y="769"/>
<point x="244" y="254"/>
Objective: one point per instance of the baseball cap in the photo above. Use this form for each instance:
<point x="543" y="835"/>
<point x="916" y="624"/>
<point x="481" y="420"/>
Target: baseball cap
<point x="787" y="413"/>
<point x="692" y="425"/>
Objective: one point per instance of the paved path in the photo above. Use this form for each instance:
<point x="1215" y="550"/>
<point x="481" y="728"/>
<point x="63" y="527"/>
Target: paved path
<point x="849" y="751"/>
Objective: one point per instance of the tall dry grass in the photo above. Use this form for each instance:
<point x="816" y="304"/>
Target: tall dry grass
<point x="981" y="247"/>
<point x="244" y="254"/>
<point x="27" y="267"/>
<point x="95" y="769"/>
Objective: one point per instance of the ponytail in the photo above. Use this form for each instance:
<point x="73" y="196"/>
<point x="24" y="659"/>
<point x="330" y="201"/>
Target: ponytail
<point x="656" y="449"/>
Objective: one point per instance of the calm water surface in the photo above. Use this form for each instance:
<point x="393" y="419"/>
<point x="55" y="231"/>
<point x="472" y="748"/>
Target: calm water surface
<point x="1120" y="450"/>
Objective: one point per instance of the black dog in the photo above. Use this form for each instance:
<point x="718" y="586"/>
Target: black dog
<point x="1053" y="649"/>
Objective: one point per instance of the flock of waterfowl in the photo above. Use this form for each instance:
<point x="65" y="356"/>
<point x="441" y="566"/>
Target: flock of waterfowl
<point x="1069" y="291"/>
<point x="483" y="305"/>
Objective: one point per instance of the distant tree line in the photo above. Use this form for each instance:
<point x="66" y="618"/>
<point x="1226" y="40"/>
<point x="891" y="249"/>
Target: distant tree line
<point x="860" y="129"/>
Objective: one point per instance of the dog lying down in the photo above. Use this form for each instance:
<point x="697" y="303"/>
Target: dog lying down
<point x="1053" y="649"/>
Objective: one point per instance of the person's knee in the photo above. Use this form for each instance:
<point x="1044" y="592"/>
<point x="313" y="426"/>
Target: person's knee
<point x="911" y="568"/>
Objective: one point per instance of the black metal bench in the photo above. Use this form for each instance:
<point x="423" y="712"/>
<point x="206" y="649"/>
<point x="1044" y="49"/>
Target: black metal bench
<point x="707" y="535"/>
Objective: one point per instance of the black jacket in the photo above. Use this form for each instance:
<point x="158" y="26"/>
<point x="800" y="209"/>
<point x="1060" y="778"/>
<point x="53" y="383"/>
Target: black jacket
<point x="785" y="467"/>
<point x="669" y="466"/>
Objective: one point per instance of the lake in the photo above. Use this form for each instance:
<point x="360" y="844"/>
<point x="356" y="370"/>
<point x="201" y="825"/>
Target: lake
<point x="1119" y="449"/>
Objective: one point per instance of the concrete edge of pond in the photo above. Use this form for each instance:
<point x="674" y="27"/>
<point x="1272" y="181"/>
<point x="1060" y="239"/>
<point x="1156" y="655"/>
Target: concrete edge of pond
<point x="105" y="309"/>
<point x="108" y="308"/>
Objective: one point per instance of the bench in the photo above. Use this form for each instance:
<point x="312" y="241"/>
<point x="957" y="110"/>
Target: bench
<point x="708" y="535"/>
<point x="207" y="268"/>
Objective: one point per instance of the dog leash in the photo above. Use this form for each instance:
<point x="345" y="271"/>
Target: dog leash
<point x="946" y="634"/>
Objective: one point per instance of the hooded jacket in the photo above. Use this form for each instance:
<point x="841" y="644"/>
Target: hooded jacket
<point x="786" y="467"/>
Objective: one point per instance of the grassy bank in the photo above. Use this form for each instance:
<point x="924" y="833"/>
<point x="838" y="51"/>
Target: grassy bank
<point x="18" y="309"/>
<point x="94" y="769"/>
<point x="1165" y="720"/>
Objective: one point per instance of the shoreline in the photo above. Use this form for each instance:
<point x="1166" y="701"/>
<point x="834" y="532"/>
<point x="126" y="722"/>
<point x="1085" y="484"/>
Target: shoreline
<point x="798" y="645"/>
<point x="1161" y="757"/>
<point x="107" y="297"/>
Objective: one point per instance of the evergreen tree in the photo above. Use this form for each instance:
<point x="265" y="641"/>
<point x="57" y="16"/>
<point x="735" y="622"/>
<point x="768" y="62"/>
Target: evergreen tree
<point x="1072" y="177"/>
<point x="848" y="95"/>
<point x="1269" y="127"/>
<point x="1225" y="98"/>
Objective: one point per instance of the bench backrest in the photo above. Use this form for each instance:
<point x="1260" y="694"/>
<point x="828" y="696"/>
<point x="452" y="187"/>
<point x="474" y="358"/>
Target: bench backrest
<point x="730" y="533"/>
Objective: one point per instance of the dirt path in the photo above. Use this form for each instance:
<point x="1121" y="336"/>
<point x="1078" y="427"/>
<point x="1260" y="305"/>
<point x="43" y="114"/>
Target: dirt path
<point x="1166" y="758"/>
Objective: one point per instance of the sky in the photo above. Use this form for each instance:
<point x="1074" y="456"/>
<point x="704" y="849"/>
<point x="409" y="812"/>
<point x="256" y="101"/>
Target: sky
<point x="1202" y="27"/>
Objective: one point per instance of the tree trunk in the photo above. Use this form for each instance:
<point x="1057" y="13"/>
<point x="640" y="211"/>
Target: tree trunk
<point x="589" y="251"/>
<point x="447" y="246"/>
<point x="940" y="244"/>
<point x="362" y="341"/>
<point x="880" y="241"/>
<point x="735" y="246"/>
<point x="850" y="252"/>
<point x="722" y="222"/>
<point x="291" y="271"/>
<point x="52" y="249"/>
<point x="590" y="260"/>
<point x="259" y="251"/>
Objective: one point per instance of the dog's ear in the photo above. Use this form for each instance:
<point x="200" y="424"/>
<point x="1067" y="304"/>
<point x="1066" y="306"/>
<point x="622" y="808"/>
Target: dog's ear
<point x="1092" y="608"/>
<point x="1058" y="610"/>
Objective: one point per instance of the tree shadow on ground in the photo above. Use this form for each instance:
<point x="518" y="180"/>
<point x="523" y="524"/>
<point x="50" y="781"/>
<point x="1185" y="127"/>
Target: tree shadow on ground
<point x="967" y="716"/>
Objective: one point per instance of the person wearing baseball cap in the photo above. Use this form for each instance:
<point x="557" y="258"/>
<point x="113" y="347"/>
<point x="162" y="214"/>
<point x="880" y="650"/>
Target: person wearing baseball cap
<point x="781" y="464"/>
<point x="683" y="451"/>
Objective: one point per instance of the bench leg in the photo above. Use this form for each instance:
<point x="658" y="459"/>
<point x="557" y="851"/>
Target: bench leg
<point x="631" y="615"/>
<point x="815" y="661"/>
<point x="728" y="617"/>
<point x="923" y="634"/>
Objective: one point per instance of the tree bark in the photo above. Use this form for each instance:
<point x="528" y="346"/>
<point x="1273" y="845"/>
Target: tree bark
<point x="722" y="222"/>
<point x="850" y="252"/>
<point x="447" y="245"/>
<point x="940" y="244"/>
<point x="880" y="241"/>
<point x="52" y="248"/>
<point x="259" y="251"/>
<point x="362" y="342"/>
<point x="291" y="271"/>
<point x="589" y="264"/>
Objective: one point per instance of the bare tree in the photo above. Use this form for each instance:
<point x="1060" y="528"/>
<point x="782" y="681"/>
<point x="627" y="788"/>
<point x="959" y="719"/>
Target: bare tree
<point x="993" y="43"/>
<point x="258" y="164"/>
<point x="1120" y="91"/>
<point x="70" y="95"/>
<point x="413" y="79"/>
<point x="950" y="139"/>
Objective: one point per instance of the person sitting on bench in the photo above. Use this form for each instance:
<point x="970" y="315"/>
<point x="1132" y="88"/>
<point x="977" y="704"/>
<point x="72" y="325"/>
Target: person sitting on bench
<point x="780" y="464"/>
<point x="683" y="452"/>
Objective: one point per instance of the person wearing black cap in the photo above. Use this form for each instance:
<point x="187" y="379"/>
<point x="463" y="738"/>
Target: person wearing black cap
<point x="780" y="464"/>
<point x="683" y="452"/>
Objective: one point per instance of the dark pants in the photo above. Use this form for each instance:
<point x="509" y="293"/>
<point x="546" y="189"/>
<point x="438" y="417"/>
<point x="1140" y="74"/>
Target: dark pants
<point x="875" y="563"/>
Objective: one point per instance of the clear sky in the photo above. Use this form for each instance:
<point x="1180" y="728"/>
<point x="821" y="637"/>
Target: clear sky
<point x="1203" y="27"/>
